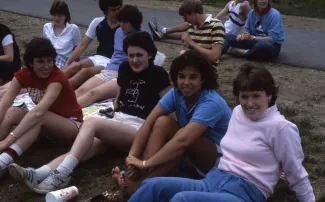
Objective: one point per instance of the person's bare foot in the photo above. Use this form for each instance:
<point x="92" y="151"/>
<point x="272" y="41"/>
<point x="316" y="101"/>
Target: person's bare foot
<point x="129" y="186"/>
<point x="117" y="175"/>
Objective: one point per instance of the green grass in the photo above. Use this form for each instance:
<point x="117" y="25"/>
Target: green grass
<point x="310" y="8"/>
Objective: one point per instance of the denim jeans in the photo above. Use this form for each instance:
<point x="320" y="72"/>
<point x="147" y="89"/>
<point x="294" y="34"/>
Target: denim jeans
<point x="257" y="50"/>
<point x="217" y="186"/>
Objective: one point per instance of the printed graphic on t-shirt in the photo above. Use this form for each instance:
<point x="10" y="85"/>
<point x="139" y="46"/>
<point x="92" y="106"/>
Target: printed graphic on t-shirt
<point x="132" y="94"/>
<point x="36" y="94"/>
<point x="259" y="30"/>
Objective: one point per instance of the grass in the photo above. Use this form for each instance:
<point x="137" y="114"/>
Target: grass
<point x="310" y="8"/>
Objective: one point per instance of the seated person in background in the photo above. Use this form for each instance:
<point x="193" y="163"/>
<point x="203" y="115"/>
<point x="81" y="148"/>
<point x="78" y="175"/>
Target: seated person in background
<point x="9" y="55"/>
<point x="201" y="32"/>
<point x="263" y="36"/>
<point x="64" y="36"/>
<point x="103" y="85"/>
<point x="202" y="121"/>
<point x="141" y="85"/>
<point x="237" y="11"/>
<point x="56" y="112"/>
<point x="104" y="29"/>
<point x="259" y="144"/>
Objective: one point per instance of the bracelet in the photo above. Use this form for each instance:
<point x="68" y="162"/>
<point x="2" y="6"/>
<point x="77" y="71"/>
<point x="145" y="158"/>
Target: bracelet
<point x="13" y="135"/>
<point x="144" y="163"/>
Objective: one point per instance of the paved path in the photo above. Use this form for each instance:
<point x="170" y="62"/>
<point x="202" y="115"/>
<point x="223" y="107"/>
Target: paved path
<point x="309" y="54"/>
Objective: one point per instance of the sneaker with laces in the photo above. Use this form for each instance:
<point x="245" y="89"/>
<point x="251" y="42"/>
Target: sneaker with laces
<point x="156" y="29"/>
<point x="237" y="51"/>
<point x="54" y="181"/>
<point x="26" y="175"/>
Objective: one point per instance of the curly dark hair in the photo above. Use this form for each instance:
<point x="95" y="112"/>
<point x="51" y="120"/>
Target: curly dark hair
<point x="36" y="48"/>
<point x="190" y="6"/>
<point x="105" y="4"/>
<point x="142" y="40"/>
<point x="253" y="78"/>
<point x="61" y="7"/>
<point x="192" y="58"/>
<point x="131" y="14"/>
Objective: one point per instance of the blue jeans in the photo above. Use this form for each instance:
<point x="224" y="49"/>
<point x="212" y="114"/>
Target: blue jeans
<point x="257" y="50"/>
<point x="217" y="186"/>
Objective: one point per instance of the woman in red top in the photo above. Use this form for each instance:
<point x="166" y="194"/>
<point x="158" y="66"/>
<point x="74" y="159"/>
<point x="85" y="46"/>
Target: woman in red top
<point x="56" y="111"/>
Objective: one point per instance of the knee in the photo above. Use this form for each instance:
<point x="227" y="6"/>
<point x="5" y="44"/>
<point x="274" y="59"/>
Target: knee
<point x="90" y="122"/>
<point x="81" y="91"/>
<point x="14" y="115"/>
<point x="162" y="122"/>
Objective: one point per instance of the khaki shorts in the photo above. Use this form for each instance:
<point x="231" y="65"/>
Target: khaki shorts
<point x="107" y="75"/>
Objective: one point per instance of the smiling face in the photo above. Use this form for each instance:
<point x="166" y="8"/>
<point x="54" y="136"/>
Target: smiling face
<point x="58" y="19"/>
<point x="254" y="103"/>
<point x="189" y="81"/>
<point x="138" y="58"/>
<point x="42" y="67"/>
<point x="126" y="27"/>
<point x="262" y="4"/>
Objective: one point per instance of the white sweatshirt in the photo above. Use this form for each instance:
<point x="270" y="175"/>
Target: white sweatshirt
<point x="259" y="150"/>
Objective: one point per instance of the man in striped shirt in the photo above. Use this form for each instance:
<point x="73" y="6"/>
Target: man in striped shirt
<point x="204" y="33"/>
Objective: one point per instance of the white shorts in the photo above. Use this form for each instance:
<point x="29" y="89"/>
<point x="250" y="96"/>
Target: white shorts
<point x="99" y="60"/>
<point x="73" y="119"/>
<point x="107" y="75"/>
<point x="127" y="119"/>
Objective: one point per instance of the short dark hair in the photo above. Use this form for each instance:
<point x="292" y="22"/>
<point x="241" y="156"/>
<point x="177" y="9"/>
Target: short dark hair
<point x="142" y="40"/>
<point x="192" y="58"/>
<point x="255" y="4"/>
<point x="105" y="4"/>
<point x="190" y="6"/>
<point x="253" y="78"/>
<point x="37" y="48"/>
<point x="131" y="14"/>
<point x="61" y="7"/>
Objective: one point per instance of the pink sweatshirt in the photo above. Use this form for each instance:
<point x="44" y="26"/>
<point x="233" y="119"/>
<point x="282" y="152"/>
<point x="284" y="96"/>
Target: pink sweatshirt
<point x="256" y="151"/>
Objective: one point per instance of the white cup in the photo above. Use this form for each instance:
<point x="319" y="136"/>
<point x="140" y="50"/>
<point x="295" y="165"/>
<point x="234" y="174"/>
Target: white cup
<point x="62" y="195"/>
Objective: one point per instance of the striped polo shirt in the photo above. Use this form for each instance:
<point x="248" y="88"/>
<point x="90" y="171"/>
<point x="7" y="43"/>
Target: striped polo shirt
<point x="211" y="32"/>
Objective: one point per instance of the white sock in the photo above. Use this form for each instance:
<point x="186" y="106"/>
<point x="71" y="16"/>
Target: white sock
<point x="17" y="149"/>
<point x="5" y="160"/>
<point x="42" y="172"/>
<point x="164" y="30"/>
<point x="68" y="165"/>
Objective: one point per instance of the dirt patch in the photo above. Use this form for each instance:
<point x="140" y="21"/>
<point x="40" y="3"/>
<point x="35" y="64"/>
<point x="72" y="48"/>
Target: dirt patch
<point x="301" y="96"/>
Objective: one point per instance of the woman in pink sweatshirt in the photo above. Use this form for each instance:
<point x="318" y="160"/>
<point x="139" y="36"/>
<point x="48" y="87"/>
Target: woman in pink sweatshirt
<point x="259" y="144"/>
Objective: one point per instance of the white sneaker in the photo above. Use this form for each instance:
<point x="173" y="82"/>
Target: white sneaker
<point x="156" y="29"/>
<point x="54" y="181"/>
<point x="26" y="175"/>
<point x="237" y="51"/>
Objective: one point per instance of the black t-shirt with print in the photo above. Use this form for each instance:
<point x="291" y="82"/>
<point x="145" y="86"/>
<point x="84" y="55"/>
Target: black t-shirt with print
<point x="140" y="91"/>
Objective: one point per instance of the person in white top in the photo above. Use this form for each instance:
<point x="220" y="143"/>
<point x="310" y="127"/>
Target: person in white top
<point x="237" y="11"/>
<point x="259" y="144"/>
<point x="104" y="29"/>
<point x="63" y="36"/>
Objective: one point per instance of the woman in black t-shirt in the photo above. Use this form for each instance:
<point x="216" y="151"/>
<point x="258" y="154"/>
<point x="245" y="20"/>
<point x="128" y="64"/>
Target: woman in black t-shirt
<point x="9" y="55"/>
<point x="141" y="85"/>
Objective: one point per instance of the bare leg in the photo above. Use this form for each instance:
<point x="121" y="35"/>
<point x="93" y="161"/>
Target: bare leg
<point x="203" y="153"/>
<point x="77" y="66"/>
<point x="91" y="83"/>
<point x="177" y="31"/>
<point x="175" y="35"/>
<point x="13" y="117"/>
<point x="110" y="132"/>
<point x="83" y="75"/>
<point x="104" y="91"/>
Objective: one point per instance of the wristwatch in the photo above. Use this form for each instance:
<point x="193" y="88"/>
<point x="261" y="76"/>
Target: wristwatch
<point x="254" y="38"/>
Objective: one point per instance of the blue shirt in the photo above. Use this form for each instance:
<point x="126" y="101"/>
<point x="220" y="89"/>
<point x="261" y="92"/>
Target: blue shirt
<point x="270" y="24"/>
<point x="118" y="56"/>
<point x="210" y="110"/>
